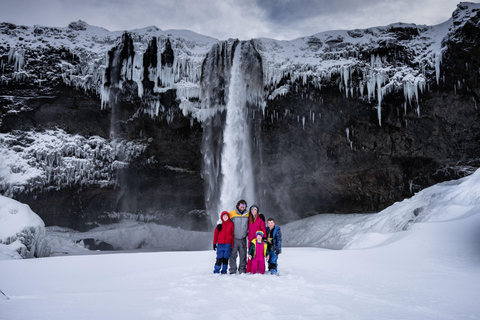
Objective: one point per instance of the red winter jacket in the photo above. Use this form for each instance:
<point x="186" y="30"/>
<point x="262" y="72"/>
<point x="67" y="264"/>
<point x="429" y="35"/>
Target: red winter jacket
<point x="226" y="235"/>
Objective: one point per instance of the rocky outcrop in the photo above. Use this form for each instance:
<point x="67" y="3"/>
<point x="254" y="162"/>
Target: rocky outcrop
<point x="98" y="125"/>
<point x="22" y="232"/>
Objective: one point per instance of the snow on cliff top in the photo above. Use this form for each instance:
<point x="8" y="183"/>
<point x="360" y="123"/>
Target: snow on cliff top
<point x="79" y="35"/>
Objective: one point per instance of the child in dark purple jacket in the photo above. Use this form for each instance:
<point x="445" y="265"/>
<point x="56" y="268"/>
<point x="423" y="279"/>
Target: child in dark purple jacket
<point x="257" y="252"/>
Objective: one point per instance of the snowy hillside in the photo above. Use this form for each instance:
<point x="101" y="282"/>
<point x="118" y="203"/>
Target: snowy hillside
<point x="428" y="270"/>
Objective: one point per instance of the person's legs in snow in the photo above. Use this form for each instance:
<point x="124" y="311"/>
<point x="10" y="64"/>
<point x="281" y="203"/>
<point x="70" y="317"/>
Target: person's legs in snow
<point x="233" y="256"/>
<point x="272" y="262"/>
<point x="242" y="266"/>
<point x="254" y="267"/>
<point x="226" y="248"/>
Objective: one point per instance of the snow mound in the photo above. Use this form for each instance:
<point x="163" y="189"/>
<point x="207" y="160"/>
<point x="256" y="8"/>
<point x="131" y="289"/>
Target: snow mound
<point x="22" y="231"/>
<point x="452" y="200"/>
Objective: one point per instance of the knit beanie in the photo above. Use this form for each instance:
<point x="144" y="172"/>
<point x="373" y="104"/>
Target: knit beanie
<point x="254" y="207"/>
<point x="259" y="233"/>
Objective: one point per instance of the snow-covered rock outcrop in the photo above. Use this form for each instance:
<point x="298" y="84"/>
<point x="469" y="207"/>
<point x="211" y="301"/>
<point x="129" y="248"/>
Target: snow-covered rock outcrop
<point x="22" y="231"/>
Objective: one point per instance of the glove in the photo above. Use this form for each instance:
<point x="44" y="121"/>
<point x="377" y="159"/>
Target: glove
<point x="215" y="246"/>
<point x="219" y="227"/>
<point x="265" y="240"/>
<point x="261" y="216"/>
<point x="277" y="252"/>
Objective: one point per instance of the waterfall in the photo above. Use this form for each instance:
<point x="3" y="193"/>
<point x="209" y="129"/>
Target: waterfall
<point x="236" y="160"/>
<point x="230" y="89"/>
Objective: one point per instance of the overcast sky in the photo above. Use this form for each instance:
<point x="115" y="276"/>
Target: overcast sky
<point x="223" y="19"/>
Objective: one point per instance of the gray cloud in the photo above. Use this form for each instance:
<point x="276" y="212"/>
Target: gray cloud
<point x="291" y="11"/>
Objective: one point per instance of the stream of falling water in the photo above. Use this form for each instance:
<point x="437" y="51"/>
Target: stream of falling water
<point x="232" y="92"/>
<point x="236" y="161"/>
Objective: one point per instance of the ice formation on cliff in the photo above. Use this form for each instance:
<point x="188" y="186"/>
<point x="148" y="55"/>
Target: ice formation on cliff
<point x="35" y="161"/>
<point x="316" y="60"/>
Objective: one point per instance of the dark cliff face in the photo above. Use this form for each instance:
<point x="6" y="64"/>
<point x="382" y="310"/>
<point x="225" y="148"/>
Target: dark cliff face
<point x="343" y="161"/>
<point x="161" y="183"/>
<point x="323" y="167"/>
<point x="321" y="145"/>
<point x="328" y="153"/>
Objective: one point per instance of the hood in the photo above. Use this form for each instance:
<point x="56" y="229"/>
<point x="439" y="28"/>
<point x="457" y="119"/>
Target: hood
<point x="224" y="213"/>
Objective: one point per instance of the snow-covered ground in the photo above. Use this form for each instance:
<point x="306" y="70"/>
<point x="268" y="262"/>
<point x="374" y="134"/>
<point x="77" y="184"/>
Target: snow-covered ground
<point x="418" y="259"/>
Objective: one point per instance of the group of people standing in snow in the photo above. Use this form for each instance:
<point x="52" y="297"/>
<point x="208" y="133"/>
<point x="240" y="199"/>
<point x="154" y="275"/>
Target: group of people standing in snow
<point x="242" y="233"/>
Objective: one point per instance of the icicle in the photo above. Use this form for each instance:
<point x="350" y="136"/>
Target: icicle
<point x="345" y="77"/>
<point x="380" y="81"/>
<point x="17" y="56"/>
<point x="438" y="61"/>
<point x="347" y="130"/>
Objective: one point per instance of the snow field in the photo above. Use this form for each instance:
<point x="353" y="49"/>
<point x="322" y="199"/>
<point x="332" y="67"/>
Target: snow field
<point x="394" y="268"/>
<point x="428" y="272"/>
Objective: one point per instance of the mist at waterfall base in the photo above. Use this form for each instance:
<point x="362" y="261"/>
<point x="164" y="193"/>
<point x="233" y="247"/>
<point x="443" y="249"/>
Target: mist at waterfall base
<point x="417" y="259"/>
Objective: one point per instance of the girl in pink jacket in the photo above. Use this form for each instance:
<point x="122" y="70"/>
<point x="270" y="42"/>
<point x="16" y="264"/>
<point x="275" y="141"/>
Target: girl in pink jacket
<point x="256" y="222"/>
<point x="257" y="252"/>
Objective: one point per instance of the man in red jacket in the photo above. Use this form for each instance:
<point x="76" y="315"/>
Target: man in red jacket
<point x="224" y="238"/>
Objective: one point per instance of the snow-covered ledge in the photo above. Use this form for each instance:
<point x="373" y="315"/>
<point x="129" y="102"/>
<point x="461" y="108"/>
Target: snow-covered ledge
<point x="22" y="231"/>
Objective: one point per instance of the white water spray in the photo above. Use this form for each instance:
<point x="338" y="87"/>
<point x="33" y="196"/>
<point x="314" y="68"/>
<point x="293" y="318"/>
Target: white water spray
<point x="237" y="173"/>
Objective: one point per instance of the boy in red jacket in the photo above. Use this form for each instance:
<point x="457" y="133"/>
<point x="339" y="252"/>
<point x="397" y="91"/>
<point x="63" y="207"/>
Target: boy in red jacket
<point x="224" y="238"/>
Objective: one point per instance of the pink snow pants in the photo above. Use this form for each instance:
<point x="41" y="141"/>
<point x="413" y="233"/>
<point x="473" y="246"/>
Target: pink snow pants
<point x="258" y="266"/>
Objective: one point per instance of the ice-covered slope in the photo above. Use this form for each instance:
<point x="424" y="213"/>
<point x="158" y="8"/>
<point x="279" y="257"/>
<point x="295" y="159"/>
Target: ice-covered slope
<point x="447" y="201"/>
